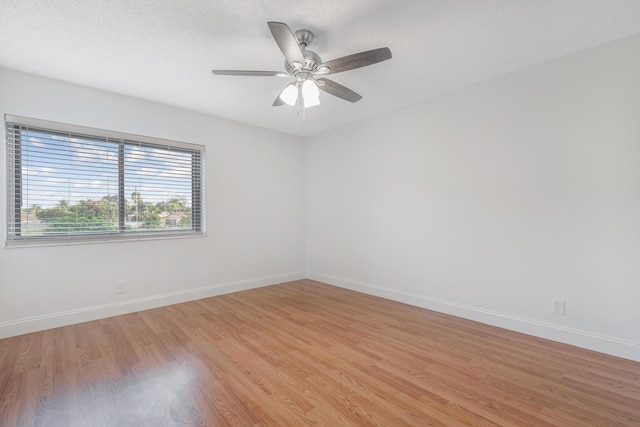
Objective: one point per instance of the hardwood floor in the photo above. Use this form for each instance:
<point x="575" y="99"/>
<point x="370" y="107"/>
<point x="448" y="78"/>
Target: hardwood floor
<point x="305" y="353"/>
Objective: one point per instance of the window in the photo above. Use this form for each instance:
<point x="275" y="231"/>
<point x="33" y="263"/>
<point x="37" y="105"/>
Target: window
<point x="69" y="184"/>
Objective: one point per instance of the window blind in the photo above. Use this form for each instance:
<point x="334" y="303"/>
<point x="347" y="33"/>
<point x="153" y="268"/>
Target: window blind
<point x="69" y="183"/>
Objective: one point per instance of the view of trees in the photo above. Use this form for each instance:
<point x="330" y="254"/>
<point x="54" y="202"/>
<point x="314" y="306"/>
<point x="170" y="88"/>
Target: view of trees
<point x="102" y="215"/>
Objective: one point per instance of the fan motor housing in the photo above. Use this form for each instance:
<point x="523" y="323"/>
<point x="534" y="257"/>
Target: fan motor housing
<point x="311" y="62"/>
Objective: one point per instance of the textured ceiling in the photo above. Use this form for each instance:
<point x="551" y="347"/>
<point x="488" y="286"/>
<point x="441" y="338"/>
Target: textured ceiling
<point x="164" y="50"/>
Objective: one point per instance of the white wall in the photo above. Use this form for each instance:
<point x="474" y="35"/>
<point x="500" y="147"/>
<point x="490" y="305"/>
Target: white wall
<point x="489" y="202"/>
<point x="255" y="216"/>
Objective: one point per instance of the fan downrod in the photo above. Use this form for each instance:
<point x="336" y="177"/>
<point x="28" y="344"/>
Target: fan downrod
<point x="304" y="37"/>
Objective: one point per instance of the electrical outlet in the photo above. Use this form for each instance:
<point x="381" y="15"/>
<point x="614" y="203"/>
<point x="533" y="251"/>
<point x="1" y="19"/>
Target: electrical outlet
<point x="557" y="306"/>
<point x="121" y="287"/>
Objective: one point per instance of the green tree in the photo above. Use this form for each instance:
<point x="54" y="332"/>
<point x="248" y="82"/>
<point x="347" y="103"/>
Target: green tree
<point x="63" y="205"/>
<point x="151" y="220"/>
<point x="177" y="204"/>
<point x="111" y="206"/>
<point x="152" y="208"/>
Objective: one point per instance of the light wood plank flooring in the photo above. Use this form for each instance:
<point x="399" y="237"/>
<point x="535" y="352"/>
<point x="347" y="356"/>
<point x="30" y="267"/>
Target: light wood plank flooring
<point x="305" y="353"/>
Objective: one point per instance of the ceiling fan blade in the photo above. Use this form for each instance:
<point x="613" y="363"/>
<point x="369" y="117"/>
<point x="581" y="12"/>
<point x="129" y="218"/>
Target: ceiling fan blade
<point x="249" y="73"/>
<point x="357" y="60"/>
<point x="338" y="90"/>
<point x="286" y="42"/>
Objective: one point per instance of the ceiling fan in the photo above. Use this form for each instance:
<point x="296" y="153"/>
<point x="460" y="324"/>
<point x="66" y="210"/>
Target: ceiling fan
<point x="305" y="65"/>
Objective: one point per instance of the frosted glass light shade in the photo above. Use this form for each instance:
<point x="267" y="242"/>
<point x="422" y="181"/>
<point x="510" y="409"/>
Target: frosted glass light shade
<point x="310" y="94"/>
<point x="309" y="89"/>
<point x="311" y="102"/>
<point x="290" y="95"/>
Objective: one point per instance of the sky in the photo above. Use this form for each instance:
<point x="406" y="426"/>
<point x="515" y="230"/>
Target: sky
<point x="59" y="168"/>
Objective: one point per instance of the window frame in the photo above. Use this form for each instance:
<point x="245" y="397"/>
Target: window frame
<point x="14" y="195"/>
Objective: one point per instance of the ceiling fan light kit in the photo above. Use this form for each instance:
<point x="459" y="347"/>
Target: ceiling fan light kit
<point x="304" y="65"/>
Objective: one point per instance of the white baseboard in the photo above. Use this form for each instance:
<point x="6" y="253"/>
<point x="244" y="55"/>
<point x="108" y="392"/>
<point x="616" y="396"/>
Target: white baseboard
<point x="70" y="317"/>
<point x="585" y="339"/>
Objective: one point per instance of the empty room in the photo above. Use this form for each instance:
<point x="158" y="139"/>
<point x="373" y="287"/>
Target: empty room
<point x="331" y="213"/>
